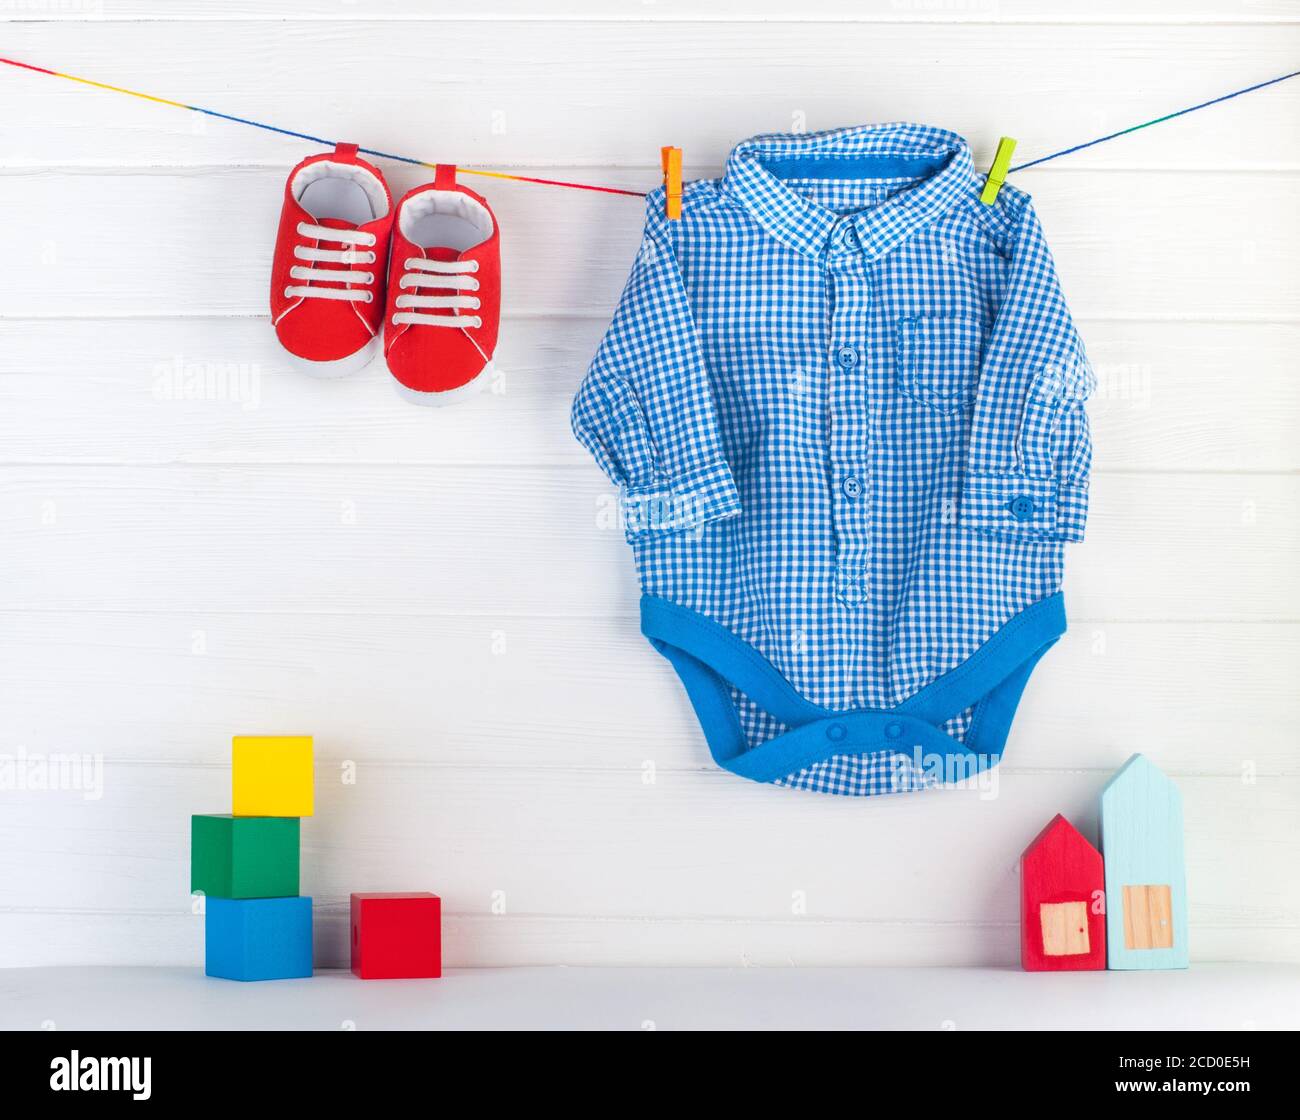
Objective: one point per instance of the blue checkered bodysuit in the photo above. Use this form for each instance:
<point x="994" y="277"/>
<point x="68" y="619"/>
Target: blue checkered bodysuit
<point x="843" y="401"/>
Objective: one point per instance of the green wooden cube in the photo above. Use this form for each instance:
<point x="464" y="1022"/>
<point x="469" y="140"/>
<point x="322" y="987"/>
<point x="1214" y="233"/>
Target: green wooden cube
<point x="243" y="857"/>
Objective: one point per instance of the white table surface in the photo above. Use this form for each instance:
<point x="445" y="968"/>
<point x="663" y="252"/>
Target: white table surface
<point x="1221" y="996"/>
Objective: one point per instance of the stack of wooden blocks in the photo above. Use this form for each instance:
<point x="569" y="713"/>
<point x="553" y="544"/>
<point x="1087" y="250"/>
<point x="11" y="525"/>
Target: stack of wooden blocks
<point x="246" y="864"/>
<point x="1124" y="907"/>
<point x="256" y="925"/>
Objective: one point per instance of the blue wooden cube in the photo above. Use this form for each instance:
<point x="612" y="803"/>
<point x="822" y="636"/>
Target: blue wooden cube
<point x="258" y="938"/>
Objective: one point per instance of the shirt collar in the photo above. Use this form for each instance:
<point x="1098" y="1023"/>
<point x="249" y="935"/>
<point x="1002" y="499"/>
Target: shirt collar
<point x="936" y="161"/>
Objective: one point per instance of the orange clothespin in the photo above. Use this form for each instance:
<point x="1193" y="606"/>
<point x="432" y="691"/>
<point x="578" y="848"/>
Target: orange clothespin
<point x="672" y="162"/>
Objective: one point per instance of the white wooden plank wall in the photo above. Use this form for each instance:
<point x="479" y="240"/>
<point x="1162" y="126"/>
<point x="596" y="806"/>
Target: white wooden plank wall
<point x="438" y="595"/>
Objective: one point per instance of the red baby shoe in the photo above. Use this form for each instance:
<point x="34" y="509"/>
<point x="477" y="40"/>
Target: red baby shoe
<point x="444" y="291"/>
<point x="337" y="214"/>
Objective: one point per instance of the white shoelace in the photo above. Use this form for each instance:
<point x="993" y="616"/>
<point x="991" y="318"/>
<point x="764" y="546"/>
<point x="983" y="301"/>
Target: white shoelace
<point x="452" y="275"/>
<point x="331" y="256"/>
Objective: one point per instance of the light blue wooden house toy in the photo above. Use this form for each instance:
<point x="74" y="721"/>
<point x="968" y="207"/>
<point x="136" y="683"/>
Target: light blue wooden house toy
<point x="1146" y="878"/>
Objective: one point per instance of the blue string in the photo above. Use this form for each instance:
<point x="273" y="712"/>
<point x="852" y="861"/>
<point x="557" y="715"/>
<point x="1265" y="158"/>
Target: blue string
<point x="260" y="124"/>
<point x="305" y="136"/>
<point x="1158" y="120"/>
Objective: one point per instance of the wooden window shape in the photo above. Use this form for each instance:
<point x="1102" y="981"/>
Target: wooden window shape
<point x="1148" y="917"/>
<point x="1065" y="928"/>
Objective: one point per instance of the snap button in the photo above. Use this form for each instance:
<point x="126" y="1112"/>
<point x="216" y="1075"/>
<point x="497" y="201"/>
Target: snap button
<point x="894" y="730"/>
<point x="836" y="732"/>
<point x="847" y="357"/>
<point x="1022" y="508"/>
<point x="852" y="487"/>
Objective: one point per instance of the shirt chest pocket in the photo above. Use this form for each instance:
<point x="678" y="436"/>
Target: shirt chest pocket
<point x="938" y="360"/>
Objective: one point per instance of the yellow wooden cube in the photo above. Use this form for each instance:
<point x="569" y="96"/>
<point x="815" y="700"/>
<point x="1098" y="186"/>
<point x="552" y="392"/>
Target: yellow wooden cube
<point x="271" y="776"/>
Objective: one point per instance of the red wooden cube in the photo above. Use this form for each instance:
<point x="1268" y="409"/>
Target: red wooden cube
<point x="396" y="935"/>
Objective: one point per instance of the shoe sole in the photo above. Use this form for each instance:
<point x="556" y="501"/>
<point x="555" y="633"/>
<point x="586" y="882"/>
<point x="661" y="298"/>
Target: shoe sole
<point x="441" y="397"/>
<point x="339" y="367"/>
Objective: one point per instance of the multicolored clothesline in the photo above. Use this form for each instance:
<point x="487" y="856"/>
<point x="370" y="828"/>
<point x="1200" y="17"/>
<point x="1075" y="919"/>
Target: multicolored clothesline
<point x="567" y="183"/>
<point x="315" y="139"/>
<point x="1155" y="120"/>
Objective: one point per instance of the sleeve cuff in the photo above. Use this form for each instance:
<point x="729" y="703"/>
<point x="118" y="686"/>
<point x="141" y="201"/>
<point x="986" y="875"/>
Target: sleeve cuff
<point x="688" y="502"/>
<point x="1034" y="509"/>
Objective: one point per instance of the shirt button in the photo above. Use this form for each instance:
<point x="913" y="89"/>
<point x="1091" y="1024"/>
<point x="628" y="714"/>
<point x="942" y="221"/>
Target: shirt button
<point x="1022" y="508"/>
<point x="894" y="730"/>
<point x="836" y="732"/>
<point x="852" y="487"/>
<point x="847" y="357"/>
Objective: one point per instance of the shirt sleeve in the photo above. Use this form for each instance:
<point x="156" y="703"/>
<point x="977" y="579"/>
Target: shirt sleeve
<point x="1030" y="450"/>
<point x="645" y="410"/>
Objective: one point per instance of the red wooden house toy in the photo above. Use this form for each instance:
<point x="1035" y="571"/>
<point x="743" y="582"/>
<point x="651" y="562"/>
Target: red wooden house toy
<point x="1062" y="902"/>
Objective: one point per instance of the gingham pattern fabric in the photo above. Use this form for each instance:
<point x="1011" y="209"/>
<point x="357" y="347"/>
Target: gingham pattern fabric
<point x="843" y="400"/>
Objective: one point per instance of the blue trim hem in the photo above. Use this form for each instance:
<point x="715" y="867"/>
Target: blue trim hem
<point x="711" y="660"/>
<point x="864" y="166"/>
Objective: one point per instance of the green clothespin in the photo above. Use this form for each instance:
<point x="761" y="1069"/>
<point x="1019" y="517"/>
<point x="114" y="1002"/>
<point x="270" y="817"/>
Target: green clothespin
<point x="998" y="172"/>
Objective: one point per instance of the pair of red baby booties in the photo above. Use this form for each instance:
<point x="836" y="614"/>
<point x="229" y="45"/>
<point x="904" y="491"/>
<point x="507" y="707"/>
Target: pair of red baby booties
<point x="351" y="270"/>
